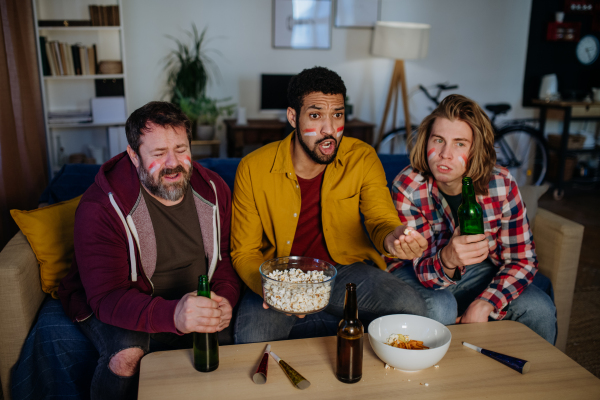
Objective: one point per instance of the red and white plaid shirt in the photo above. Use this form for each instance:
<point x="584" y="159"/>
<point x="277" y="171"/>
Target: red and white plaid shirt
<point x="506" y="226"/>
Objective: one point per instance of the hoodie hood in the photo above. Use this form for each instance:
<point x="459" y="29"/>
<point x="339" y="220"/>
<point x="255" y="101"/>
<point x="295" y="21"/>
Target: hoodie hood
<point x="118" y="179"/>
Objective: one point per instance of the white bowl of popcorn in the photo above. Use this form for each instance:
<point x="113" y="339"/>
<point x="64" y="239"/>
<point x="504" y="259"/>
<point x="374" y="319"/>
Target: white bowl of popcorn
<point x="386" y="332"/>
<point x="297" y="285"/>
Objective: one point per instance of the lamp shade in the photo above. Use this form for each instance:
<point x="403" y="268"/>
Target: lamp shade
<point x="400" y="40"/>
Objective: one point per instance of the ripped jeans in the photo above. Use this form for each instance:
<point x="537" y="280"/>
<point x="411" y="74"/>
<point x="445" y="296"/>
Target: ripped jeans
<point x="110" y="340"/>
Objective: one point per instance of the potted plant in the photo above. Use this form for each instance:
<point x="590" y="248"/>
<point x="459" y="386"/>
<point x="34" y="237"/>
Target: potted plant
<point x="188" y="75"/>
<point x="204" y="112"/>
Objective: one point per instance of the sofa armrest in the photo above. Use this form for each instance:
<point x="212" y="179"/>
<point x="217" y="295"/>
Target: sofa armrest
<point x="21" y="297"/>
<point x="558" y="244"/>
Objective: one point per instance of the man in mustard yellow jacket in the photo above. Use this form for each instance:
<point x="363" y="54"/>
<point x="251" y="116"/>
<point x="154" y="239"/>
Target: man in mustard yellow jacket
<point x="302" y="196"/>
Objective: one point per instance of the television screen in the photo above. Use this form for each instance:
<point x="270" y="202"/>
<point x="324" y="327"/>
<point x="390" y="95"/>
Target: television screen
<point x="273" y="89"/>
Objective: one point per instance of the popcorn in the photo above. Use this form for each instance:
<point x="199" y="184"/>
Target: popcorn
<point x="301" y="298"/>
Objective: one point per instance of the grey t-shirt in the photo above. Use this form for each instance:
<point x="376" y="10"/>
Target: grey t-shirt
<point x="180" y="251"/>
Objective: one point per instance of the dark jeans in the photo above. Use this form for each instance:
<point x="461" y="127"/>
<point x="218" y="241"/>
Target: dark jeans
<point x="533" y="308"/>
<point x="378" y="293"/>
<point x="110" y="340"/>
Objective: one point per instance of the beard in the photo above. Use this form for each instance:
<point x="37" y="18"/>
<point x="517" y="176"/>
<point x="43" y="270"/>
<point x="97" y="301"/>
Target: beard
<point x="171" y="191"/>
<point x="313" y="154"/>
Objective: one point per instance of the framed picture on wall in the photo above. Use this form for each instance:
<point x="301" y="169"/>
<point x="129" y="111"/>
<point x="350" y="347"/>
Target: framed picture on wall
<point x="302" y="24"/>
<point x="357" y="13"/>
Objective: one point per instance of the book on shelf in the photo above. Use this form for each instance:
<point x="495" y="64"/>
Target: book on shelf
<point x="104" y="15"/>
<point x="51" y="59"/>
<point x="64" y="59"/>
<point x="56" y="48"/>
<point x="92" y="59"/>
<point x="76" y="59"/>
<point x="45" y="63"/>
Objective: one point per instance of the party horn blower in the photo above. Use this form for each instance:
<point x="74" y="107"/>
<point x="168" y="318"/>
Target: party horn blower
<point x="515" y="363"/>
<point x="297" y="380"/>
<point x="260" y="376"/>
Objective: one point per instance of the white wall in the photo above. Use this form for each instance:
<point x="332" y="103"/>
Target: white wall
<point x="478" y="44"/>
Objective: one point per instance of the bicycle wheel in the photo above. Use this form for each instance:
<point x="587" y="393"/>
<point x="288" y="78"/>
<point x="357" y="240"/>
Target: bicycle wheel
<point x="523" y="150"/>
<point x="395" y="142"/>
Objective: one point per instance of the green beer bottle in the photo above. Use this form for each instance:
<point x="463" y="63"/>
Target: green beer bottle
<point x="470" y="213"/>
<point x="206" y="345"/>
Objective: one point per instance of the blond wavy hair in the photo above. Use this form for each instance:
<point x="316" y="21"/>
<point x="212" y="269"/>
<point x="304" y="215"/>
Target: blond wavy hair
<point x="482" y="156"/>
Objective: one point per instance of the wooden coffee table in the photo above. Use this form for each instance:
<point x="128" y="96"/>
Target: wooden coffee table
<point x="462" y="373"/>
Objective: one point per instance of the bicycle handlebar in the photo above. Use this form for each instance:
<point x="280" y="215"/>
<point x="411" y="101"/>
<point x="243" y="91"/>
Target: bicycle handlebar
<point x="441" y="87"/>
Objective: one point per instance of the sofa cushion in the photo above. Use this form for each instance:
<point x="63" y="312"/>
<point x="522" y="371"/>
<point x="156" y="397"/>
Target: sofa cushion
<point x="530" y="196"/>
<point x="49" y="231"/>
<point x="71" y="181"/>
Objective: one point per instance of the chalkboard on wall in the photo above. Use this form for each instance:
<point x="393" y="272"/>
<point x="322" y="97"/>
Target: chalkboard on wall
<point x="575" y="79"/>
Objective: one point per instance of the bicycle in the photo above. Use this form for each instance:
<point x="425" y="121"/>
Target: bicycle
<point x="519" y="147"/>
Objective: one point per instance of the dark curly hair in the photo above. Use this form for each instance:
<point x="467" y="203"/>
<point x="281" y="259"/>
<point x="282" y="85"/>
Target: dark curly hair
<point x="160" y="113"/>
<point x="316" y="79"/>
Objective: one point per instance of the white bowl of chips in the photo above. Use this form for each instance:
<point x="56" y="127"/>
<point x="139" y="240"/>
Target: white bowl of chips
<point x="407" y="330"/>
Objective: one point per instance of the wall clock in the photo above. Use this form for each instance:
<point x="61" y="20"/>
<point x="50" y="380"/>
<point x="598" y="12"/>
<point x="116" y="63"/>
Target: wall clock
<point x="588" y="49"/>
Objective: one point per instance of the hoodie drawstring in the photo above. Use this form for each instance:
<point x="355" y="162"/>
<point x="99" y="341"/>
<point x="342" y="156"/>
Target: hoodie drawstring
<point x="129" y="238"/>
<point x="218" y="221"/>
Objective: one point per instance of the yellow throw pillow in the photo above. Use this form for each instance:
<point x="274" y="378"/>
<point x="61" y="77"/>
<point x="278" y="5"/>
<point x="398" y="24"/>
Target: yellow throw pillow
<point x="49" y="231"/>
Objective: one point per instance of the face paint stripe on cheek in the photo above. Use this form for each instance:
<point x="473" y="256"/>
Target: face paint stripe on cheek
<point x="430" y="154"/>
<point x="310" y="132"/>
<point x="154" y="167"/>
<point x="187" y="161"/>
<point x="340" y="131"/>
<point x="463" y="160"/>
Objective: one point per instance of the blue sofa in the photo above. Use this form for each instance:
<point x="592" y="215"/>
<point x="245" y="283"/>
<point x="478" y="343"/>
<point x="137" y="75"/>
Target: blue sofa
<point x="558" y="242"/>
<point x="73" y="179"/>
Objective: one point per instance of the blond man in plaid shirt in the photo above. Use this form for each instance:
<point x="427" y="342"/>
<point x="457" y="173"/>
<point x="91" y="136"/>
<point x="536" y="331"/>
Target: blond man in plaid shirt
<point x="471" y="278"/>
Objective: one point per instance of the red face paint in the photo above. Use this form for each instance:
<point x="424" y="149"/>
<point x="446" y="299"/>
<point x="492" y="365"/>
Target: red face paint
<point x="341" y="128"/>
<point x="153" y="167"/>
<point x="430" y="153"/>
<point x="188" y="161"/>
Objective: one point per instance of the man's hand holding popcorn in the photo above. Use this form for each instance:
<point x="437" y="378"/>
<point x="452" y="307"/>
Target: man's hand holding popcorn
<point x="405" y="243"/>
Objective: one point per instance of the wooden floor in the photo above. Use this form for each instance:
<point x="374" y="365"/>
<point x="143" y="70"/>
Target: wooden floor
<point x="583" y="206"/>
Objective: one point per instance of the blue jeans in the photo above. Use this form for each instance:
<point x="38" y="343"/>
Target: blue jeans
<point x="378" y="293"/>
<point x="110" y="340"/>
<point x="533" y="308"/>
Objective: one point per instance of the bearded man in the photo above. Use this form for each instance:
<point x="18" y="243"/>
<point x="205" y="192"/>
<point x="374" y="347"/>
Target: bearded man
<point x="303" y="196"/>
<point x="152" y="222"/>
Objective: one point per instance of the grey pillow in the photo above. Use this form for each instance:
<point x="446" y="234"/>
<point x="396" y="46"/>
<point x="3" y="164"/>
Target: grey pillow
<point x="530" y="196"/>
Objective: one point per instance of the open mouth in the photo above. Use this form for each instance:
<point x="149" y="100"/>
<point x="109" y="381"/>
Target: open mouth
<point x="172" y="177"/>
<point x="443" y="168"/>
<point x="327" y="146"/>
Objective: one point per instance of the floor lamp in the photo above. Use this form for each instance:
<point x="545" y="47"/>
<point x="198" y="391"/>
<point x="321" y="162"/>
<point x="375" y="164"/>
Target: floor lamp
<point x="399" y="41"/>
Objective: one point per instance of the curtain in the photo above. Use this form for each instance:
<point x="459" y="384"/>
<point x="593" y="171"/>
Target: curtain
<point x="23" y="155"/>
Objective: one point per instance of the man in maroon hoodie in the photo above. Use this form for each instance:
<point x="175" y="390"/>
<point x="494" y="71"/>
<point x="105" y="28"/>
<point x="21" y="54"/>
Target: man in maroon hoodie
<point x="152" y="222"/>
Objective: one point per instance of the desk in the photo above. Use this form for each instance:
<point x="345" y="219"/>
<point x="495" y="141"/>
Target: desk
<point x="214" y="147"/>
<point x="462" y="373"/>
<point x="263" y="131"/>
<point x="567" y="107"/>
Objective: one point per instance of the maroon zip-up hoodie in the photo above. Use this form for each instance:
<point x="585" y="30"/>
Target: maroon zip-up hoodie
<point x="115" y="251"/>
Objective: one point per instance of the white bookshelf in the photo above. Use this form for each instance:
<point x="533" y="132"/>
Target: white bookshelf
<point x="83" y="77"/>
<point x="74" y="92"/>
<point x="78" y="28"/>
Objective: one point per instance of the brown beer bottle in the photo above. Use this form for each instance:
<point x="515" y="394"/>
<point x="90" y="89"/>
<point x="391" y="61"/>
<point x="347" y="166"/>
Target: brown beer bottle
<point x="350" y="335"/>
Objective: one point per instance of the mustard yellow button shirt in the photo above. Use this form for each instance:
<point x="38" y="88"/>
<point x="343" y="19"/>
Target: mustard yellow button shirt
<point x="266" y="207"/>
